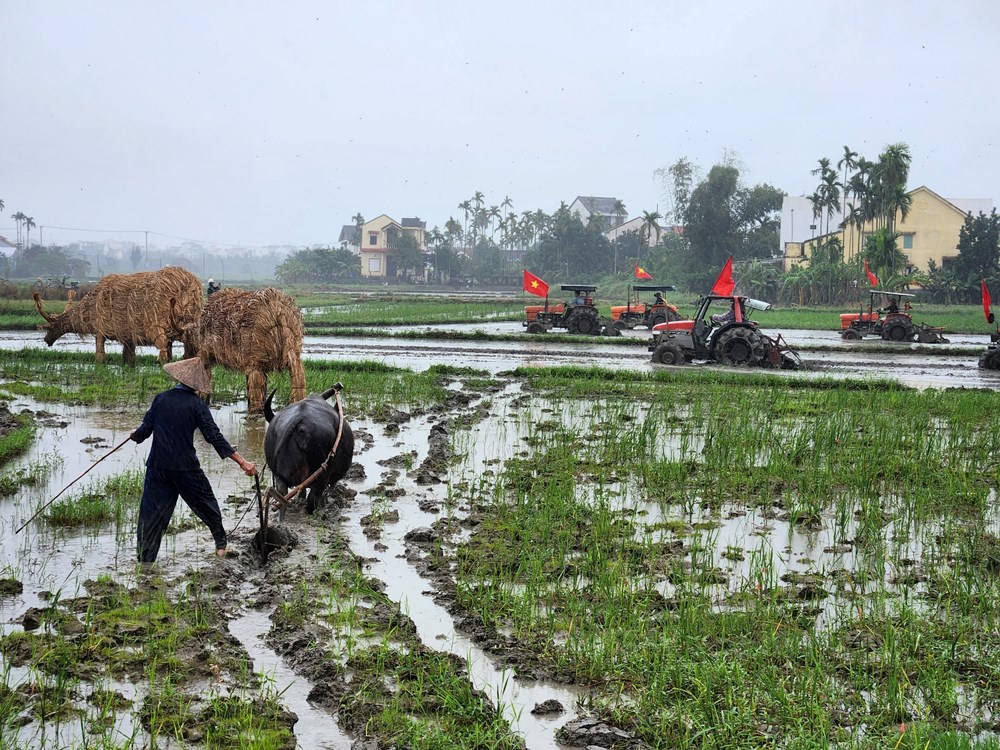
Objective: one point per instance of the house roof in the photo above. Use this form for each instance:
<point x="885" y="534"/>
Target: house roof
<point x="349" y="234"/>
<point x="971" y="204"/>
<point x="4" y="242"/>
<point x="380" y="222"/>
<point x="597" y="204"/>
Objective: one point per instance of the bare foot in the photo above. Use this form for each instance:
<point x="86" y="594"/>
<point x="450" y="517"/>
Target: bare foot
<point x="221" y="552"/>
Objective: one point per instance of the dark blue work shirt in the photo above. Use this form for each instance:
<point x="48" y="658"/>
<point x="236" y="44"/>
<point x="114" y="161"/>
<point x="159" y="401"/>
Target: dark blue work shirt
<point x="172" y="419"/>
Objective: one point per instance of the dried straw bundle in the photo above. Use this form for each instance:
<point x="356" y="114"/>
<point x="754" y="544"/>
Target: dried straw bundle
<point x="150" y="308"/>
<point x="254" y="333"/>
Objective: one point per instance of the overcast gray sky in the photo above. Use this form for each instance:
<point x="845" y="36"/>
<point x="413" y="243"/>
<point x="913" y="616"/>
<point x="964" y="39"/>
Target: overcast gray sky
<point x="260" y="123"/>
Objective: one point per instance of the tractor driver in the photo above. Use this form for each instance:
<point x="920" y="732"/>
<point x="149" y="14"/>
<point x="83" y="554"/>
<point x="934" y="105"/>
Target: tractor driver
<point x="658" y="299"/>
<point x="730" y="315"/>
<point x="891" y="308"/>
<point x="577" y="298"/>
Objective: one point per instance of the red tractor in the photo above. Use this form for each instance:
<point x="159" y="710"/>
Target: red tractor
<point x="635" y="313"/>
<point x="890" y="322"/>
<point x="578" y="315"/>
<point x="728" y="337"/>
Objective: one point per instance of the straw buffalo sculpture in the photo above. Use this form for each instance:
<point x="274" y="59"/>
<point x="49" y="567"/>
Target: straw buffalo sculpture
<point x="252" y="332"/>
<point x="150" y="308"/>
<point x="300" y="438"/>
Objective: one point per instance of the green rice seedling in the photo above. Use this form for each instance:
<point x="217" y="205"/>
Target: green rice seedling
<point x="18" y="440"/>
<point x="114" y="499"/>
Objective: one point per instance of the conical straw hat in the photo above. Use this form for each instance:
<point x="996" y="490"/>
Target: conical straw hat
<point x="191" y="372"/>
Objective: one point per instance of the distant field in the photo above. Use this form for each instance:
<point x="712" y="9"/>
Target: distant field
<point x="350" y="310"/>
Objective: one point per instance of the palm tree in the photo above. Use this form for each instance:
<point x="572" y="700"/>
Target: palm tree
<point x="453" y="229"/>
<point x="1" y="204"/>
<point x="830" y="189"/>
<point x="619" y="210"/>
<point x="816" y="199"/>
<point x="18" y="218"/>
<point x="29" y="224"/>
<point x="854" y="220"/>
<point x="848" y="161"/>
<point x="505" y="204"/>
<point x="650" y="223"/>
<point x="494" y="214"/>
<point x="823" y="168"/>
<point x="466" y="207"/>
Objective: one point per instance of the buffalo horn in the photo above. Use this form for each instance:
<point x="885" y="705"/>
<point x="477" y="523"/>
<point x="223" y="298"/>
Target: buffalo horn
<point x="268" y="411"/>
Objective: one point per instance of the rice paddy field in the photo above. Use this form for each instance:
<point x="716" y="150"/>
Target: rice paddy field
<point x="543" y="557"/>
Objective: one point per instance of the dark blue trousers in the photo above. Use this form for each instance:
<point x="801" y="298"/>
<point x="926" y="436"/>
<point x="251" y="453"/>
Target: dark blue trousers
<point x="159" y="498"/>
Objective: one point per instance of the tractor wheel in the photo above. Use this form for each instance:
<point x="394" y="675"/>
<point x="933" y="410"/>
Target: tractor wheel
<point x="990" y="360"/>
<point x="850" y="334"/>
<point x="895" y="332"/>
<point x="611" y="330"/>
<point x="669" y="354"/>
<point x="657" y="319"/>
<point x="739" y="346"/>
<point x="584" y="323"/>
<point x="673" y="315"/>
<point x="620" y="324"/>
<point x="535" y="327"/>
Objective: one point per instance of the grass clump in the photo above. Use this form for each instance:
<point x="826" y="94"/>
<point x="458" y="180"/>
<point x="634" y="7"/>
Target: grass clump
<point x="113" y="499"/>
<point x="18" y="435"/>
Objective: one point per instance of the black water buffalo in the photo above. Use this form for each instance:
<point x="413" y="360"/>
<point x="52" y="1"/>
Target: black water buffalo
<point x="298" y="440"/>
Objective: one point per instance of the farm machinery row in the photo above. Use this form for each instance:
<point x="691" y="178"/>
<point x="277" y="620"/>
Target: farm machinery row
<point x="579" y="315"/>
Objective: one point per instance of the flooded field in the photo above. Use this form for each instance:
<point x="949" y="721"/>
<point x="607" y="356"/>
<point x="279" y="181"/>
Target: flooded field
<point x="916" y="365"/>
<point x="659" y="558"/>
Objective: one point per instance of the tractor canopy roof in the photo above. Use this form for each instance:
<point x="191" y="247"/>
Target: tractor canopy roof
<point x="887" y="293"/>
<point x="753" y="304"/>
<point x="578" y="288"/>
<point x="654" y="287"/>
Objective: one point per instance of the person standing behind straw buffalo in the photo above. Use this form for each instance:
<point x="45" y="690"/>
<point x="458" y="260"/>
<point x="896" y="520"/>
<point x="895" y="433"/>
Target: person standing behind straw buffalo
<point x="172" y="467"/>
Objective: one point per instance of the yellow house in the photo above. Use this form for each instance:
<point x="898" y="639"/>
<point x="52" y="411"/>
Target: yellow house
<point x="930" y="231"/>
<point x="377" y="238"/>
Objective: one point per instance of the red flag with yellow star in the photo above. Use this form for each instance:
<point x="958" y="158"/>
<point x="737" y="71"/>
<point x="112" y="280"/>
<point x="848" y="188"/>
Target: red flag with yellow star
<point x="642" y="273"/>
<point x="534" y="285"/>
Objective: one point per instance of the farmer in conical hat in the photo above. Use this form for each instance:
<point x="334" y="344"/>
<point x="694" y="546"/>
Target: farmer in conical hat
<point x="172" y="468"/>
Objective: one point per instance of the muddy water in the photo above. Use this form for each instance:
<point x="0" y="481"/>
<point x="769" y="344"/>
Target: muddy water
<point x="908" y="364"/>
<point x="386" y="557"/>
<point x="46" y="560"/>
